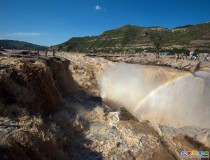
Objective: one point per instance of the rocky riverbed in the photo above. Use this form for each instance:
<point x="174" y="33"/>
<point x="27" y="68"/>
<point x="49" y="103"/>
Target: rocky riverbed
<point x="51" y="109"/>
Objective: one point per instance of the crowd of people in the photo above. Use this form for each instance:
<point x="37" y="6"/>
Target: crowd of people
<point x="199" y="57"/>
<point x="205" y="57"/>
<point x="192" y="56"/>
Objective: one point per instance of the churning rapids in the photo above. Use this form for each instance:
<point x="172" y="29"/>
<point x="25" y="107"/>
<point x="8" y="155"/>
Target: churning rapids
<point x="161" y="95"/>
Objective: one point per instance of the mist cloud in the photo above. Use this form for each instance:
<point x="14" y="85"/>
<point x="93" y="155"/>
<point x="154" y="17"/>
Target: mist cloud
<point x="160" y="95"/>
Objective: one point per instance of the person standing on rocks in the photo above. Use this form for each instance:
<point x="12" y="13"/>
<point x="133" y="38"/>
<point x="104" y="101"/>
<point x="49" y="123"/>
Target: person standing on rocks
<point x="143" y="54"/>
<point x="157" y="54"/>
<point x="176" y="57"/>
<point x="182" y="56"/>
<point x="198" y="56"/>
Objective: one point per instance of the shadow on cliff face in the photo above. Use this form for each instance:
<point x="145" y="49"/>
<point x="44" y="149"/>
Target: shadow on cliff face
<point x="160" y="95"/>
<point x="72" y="126"/>
<point x="57" y="136"/>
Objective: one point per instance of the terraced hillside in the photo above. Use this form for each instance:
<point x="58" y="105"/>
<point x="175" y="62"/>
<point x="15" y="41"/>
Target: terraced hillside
<point x="190" y="37"/>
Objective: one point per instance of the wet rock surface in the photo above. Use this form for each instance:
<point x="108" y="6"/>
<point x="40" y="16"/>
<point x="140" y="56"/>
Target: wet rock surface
<point x="86" y="71"/>
<point x="199" y="134"/>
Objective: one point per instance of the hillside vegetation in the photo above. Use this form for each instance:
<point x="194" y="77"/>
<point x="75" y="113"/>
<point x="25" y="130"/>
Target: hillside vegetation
<point x="189" y="37"/>
<point x="11" y="44"/>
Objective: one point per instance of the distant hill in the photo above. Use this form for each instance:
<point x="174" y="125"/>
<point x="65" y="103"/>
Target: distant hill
<point x="188" y="37"/>
<point x="12" y="44"/>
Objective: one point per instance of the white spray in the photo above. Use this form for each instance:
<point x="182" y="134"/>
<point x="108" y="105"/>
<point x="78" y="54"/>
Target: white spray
<point x="160" y="95"/>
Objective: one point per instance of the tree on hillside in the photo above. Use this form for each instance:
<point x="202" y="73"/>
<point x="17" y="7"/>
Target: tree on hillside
<point x="157" y="39"/>
<point x="129" y="35"/>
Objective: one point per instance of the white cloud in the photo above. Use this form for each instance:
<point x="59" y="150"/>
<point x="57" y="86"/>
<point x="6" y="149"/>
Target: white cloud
<point x="97" y="7"/>
<point x="23" y="34"/>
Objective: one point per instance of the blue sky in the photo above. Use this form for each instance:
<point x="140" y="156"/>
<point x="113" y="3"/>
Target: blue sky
<point x="49" y="22"/>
